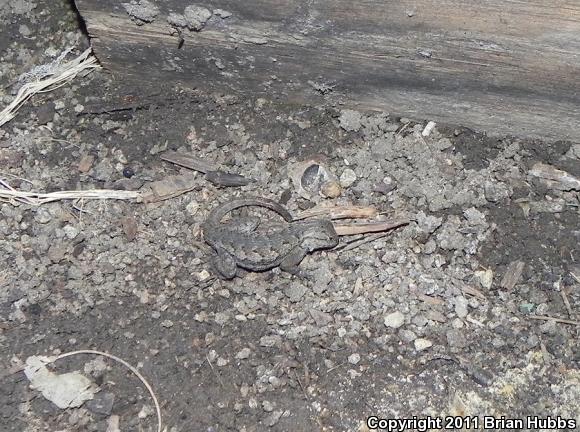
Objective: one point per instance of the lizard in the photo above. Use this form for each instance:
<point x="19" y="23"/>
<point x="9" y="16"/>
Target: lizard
<point x="279" y="245"/>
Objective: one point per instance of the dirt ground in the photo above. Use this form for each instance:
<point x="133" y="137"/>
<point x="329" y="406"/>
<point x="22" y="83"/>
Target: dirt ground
<point x="421" y="322"/>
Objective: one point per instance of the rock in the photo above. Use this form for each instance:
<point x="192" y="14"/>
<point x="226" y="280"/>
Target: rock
<point x="394" y="320"/>
<point x="354" y="358"/>
<point x="295" y="291"/>
<point x="456" y="338"/>
<point x="461" y="306"/>
<point x="196" y="17"/>
<point x="422" y="344"/>
<point x="42" y="216"/>
<point x="243" y="354"/>
<point x="350" y="120"/>
<point x="101" y="404"/>
<point x="485" y="278"/>
<point x="274" y="418"/>
<point x="321" y="318"/>
<point x="428" y="129"/>
<point x="428" y="223"/>
<point x="177" y="20"/>
<point x="474" y="217"/>
<point x="270" y="341"/>
<point x="103" y="171"/>
<point x="526" y="308"/>
<point x="407" y="336"/>
<point x="347" y="178"/>
<point x="70" y="231"/>
<point x="25" y="31"/>
<point x="493" y="192"/>
<point x="267" y="406"/>
<point x="574" y="152"/>
<point x="56" y="253"/>
<point x="143" y="11"/>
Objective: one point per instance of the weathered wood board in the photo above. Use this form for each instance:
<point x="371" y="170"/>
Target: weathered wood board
<point x="501" y="66"/>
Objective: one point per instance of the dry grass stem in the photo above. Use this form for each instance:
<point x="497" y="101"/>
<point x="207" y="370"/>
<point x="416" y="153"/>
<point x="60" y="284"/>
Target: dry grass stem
<point x="53" y="77"/>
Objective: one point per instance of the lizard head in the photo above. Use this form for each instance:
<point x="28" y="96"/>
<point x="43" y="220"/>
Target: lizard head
<point x="319" y="234"/>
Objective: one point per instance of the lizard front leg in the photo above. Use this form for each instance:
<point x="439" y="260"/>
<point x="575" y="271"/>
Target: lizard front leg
<point x="291" y="261"/>
<point x="225" y="265"/>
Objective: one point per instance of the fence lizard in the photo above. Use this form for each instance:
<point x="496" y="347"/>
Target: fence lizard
<point x="284" y="245"/>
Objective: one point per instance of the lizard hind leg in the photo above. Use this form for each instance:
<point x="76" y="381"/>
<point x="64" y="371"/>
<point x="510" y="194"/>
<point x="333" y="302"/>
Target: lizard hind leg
<point x="225" y="265"/>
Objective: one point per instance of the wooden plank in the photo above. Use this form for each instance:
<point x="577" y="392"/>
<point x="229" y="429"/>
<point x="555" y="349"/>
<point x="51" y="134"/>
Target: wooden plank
<point x="504" y="67"/>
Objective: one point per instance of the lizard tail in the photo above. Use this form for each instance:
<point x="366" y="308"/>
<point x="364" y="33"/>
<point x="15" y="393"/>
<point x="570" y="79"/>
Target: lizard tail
<point x="217" y="214"/>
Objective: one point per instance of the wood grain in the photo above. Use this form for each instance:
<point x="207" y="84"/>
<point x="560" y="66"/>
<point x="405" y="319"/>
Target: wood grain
<point x="505" y="67"/>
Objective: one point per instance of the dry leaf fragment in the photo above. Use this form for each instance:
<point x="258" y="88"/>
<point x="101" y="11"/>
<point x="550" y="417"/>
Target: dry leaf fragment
<point x="512" y="275"/>
<point x="69" y="390"/>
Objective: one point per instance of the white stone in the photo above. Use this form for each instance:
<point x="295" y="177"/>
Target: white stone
<point x="347" y="178"/>
<point x="422" y="344"/>
<point x="395" y="320"/>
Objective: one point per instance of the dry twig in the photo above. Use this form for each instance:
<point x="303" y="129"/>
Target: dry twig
<point x="339" y="212"/>
<point x="558" y="320"/>
<point x="371" y="227"/>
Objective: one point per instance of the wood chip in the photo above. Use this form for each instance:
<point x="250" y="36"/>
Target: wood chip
<point x="512" y="275"/>
<point x="170" y="187"/>
<point x="473" y="292"/>
<point x="189" y="161"/>
<point x="364" y="228"/>
<point x="555" y="178"/>
<point x="430" y="300"/>
<point x="86" y="163"/>
<point x="566" y="302"/>
<point x="130" y="227"/>
<point x="221" y="178"/>
<point x="339" y="212"/>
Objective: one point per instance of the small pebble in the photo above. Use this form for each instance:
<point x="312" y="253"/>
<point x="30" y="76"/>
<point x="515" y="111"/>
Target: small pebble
<point x="395" y="320"/>
<point x="461" y="306"/>
<point x="71" y="231"/>
<point x="354" y="358"/>
<point x="485" y="278"/>
<point x="24" y="30"/>
<point x="347" y="178"/>
<point x="243" y="354"/>
<point x="422" y="344"/>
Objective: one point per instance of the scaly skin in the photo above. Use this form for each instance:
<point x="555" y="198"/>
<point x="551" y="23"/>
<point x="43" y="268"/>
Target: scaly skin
<point x="283" y="246"/>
